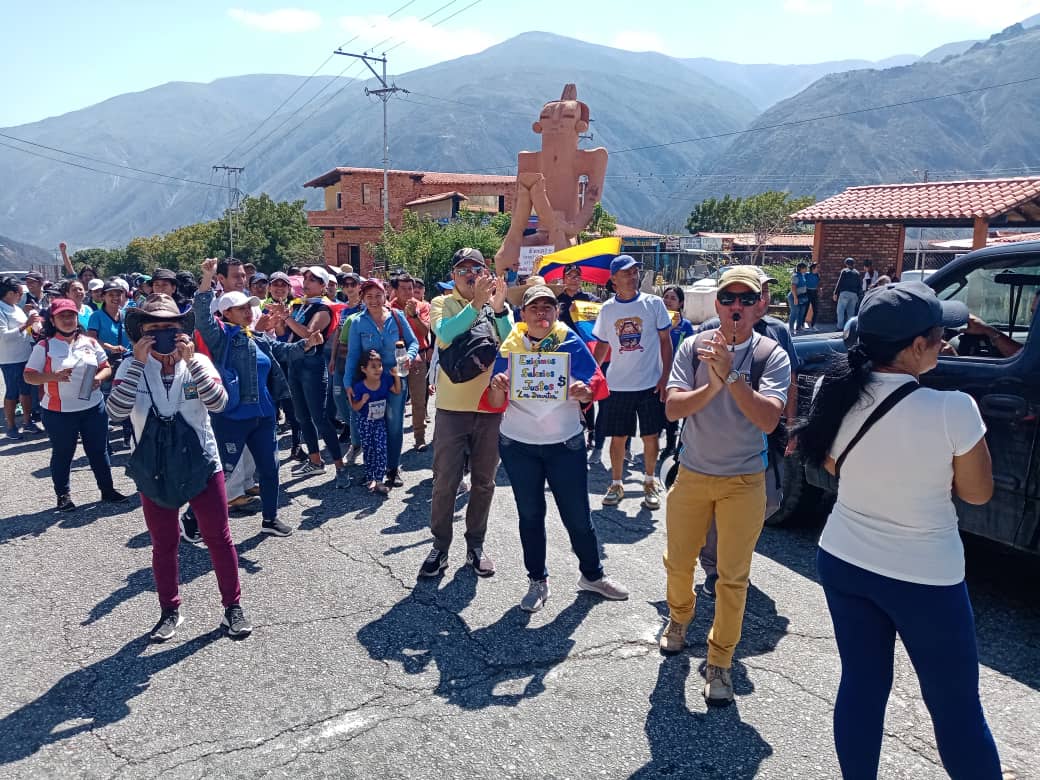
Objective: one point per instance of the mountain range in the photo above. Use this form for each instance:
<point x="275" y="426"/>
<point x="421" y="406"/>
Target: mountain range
<point x="18" y="256"/>
<point x="474" y="113"/>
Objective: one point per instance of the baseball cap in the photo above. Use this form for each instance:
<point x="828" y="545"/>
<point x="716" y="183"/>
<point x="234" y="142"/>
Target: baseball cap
<point x="446" y="286"/>
<point x="317" y="272"/>
<point x="34" y="276"/>
<point x="849" y="262"/>
<point x="58" y="305"/>
<point x="121" y="282"/>
<point x="258" y="277"/>
<point x="107" y="287"/>
<point x="143" y="278"/>
<point x="235" y="298"/>
<point x="741" y="274"/>
<point x="763" y="275"/>
<point x="902" y="310"/>
<point x="93" y="284"/>
<point x="371" y="282"/>
<point x="467" y="254"/>
<point x="164" y="274"/>
<point x="536" y="291"/>
<point x="343" y="278"/>
<point x="280" y="276"/>
<point x="622" y="263"/>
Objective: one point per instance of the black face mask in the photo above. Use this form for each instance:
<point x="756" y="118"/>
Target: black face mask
<point x="165" y="340"/>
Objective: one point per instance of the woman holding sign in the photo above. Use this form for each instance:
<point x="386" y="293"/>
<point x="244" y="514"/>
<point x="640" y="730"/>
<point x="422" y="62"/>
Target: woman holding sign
<point x="543" y="374"/>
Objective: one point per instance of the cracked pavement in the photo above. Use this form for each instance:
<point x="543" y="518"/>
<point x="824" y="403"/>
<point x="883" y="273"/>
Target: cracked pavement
<point x="357" y="669"/>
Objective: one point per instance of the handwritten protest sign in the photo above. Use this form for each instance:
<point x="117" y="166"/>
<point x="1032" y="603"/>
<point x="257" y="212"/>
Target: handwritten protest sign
<point x="539" y="376"/>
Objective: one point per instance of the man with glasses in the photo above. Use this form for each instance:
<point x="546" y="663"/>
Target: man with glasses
<point x="462" y="424"/>
<point x="636" y="327"/>
<point x="722" y="467"/>
<point x="418" y="315"/>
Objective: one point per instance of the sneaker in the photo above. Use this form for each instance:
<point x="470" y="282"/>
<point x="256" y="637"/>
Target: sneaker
<point x="114" y="497"/>
<point x="537" y="593"/>
<point x="420" y="445"/>
<point x="352" y="455"/>
<point x="718" y="686"/>
<point x="605" y="587"/>
<point x="307" y="468"/>
<point x="13" y="435"/>
<point x="595" y="456"/>
<point x="708" y="588"/>
<point x="393" y="478"/>
<point x="651" y="495"/>
<point x="236" y="622"/>
<point x="276" y="528"/>
<point x="166" y="628"/>
<point x="436" y="562"/>
<point x="343" y="479"/>
<point x="189" y="526"/>
<point x="297" y="454"/>
<point x="614" y="495"/>
<point x="480" y="562"/>
<point x="673" y="638"/>
<point x="65" y="503"/>
<point x="32" y="428"/>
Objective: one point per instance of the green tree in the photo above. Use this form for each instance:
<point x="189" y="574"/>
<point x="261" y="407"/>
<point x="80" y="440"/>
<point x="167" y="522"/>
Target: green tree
<point x="101" y="260"/>
<point x="273" y="234"/>
<point x="768" y="214"/>
<point x="716" y="216"/>
<point x="602" y="224"/>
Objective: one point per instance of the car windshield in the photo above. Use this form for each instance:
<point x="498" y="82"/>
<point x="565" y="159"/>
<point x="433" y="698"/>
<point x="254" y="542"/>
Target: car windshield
<point x="1002" y="295"/>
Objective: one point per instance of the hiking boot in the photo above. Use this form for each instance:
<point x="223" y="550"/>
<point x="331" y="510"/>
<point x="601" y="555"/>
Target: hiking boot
<point x="166" y="628"/>
<point x="114" y="497"/>
<point x="708" y="588"/>
<point x="651" y="495"/>
<point x="436" y="562"/>
<point x="605" y="587"/>
<point x="718" y="686"/>
<point x="480" y="562"/>
<point x="343" y="479"/>
<point x="276" y="528"/>
<point x="236" y="622"/>
<point x="673" y="638"/>
<point x="65" y="503"/>
<point x="308" y="468"/>
<point x="352" y="455"/>
<point x="537" y="593"/>
<point x="614" y="495"/>
<point x="189" y="527"/>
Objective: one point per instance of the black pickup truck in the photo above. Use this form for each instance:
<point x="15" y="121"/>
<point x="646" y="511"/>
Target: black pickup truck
<point x="1000" y="285"/>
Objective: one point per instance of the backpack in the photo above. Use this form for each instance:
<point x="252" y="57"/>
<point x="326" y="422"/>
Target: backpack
<point x="471" y="353"/>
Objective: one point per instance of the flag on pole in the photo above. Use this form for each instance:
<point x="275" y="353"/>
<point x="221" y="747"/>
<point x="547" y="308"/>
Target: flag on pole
<point x="592" y="257"/>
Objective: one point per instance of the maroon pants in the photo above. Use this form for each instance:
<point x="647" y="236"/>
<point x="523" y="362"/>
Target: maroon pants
<point x="210" y="508"/>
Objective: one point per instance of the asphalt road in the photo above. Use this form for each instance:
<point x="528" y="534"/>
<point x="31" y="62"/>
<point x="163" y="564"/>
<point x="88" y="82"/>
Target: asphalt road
<point x="355" y="669"/>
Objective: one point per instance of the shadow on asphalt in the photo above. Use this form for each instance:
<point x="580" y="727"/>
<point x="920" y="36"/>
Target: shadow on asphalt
<point x="90" y="698"/>
<point x="497" y="666"/>
<point x="1002" y="583"/>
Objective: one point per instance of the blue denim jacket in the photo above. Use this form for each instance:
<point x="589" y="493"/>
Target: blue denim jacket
<point x="242" y="359"/>
<point x="365" y="335"/>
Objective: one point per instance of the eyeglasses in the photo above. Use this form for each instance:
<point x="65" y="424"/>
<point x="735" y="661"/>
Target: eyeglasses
<point x="470" y="270"/>
<point x="727" y="298"/>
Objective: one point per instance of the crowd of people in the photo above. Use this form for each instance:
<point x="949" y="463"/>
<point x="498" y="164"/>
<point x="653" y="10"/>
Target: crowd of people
<point x="205" y="376"/>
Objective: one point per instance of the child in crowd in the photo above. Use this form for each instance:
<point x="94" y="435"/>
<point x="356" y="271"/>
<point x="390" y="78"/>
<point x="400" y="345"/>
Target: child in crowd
<point x="368" y="396"/>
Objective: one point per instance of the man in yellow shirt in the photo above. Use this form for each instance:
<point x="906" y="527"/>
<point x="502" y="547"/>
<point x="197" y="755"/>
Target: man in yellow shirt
<point x="461" y="424"/>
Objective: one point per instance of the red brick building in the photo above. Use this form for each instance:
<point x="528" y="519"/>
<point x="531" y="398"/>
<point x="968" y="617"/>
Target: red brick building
<point x="869" y="223"/>
<point x="353" y="214"/>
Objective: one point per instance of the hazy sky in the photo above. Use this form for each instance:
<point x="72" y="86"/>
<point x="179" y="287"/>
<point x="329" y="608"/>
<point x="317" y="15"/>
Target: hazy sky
<point x="59" y="56"/>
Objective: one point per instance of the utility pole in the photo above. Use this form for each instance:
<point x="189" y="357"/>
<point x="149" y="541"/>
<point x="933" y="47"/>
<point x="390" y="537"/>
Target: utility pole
<point x="383" y="94"/>
<point x="234" y="198"/>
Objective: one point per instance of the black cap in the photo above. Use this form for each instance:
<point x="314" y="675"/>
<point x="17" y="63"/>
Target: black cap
<point x="467" y="254"/>
<point x="258" y="277"/>
<point x="164" y="274"/>
<point x="34" y="276"/>
<point x="902" y="310"/>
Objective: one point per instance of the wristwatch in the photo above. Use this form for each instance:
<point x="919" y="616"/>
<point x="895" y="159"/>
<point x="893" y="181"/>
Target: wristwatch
<point x="732" y="376"/>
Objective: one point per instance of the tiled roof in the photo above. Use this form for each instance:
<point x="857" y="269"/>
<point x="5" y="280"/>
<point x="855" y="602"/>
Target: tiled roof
<point x="436" y="198"/>
<point x="427" y="177"/>
<point x="1014" y="238"/>
<point x="939" y="200"/>
<point x="780" y="239"/>
<point x="624" y="231"/>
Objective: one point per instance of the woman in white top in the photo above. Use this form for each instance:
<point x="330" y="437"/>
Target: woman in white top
<point x="16" y="345"/>
<point x="543" y="441"/>
<point x="890" y="561"/>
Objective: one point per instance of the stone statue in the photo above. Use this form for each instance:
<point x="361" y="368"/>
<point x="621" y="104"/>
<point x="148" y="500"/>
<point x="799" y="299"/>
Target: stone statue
<point x="548" y="182"/>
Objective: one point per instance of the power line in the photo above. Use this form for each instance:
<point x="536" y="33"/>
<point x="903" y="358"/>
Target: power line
<point x="441" y="21"/>
<point x="98" y="160"/>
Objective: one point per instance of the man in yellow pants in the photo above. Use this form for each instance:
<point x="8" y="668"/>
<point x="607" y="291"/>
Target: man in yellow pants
<point x="722" y="466"/>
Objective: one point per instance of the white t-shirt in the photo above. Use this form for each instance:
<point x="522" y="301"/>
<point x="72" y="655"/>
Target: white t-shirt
<point x="895" y="514"/>
<point x="15" y="344"/>
<point x="84" y="356"/>
<point x="631" y="328"/>
<point x="182" y="396"/>
<point x="541" y="422"/>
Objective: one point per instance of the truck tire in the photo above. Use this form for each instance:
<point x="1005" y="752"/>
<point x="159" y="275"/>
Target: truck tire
<point x="801" y="502"/>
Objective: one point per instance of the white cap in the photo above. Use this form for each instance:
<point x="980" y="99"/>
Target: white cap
<point x="95" y="284"/>
<point x="231" y="299"/>
<point x="121" y="282"/>
<point x="318" y="272"/>
<point x="279" y="276"/>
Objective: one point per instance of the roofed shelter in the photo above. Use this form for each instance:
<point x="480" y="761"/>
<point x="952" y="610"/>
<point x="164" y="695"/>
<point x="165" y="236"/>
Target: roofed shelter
<point x="869" y="223"/>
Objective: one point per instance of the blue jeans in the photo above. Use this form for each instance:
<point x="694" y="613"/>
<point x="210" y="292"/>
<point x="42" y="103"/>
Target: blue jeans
<point x="308" y="382"/>
<point x="563" y="466"/>
<point x="937" y="627"/>
<point x="259" y="434"/>
<point x="64" y="429"/>
<point x="15" y="384"/>
<point x="847" y="303"/>
<point x="395" y="427"/>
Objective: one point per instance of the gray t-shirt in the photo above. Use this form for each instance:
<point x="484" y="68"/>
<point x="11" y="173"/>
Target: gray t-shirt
<point x="719" y="440"/>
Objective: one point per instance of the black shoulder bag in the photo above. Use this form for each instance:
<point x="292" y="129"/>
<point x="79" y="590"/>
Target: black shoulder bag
<point x="818" y="476"/>
<point x="168" y="464"/>
<point x="472" y="352"/>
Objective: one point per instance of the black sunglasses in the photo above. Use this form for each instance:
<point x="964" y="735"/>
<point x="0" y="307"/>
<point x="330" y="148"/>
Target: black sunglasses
<point x="727" y="298"/>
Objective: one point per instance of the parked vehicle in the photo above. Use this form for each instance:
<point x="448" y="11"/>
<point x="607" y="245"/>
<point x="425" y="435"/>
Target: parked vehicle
<point x="1000" y="285"/>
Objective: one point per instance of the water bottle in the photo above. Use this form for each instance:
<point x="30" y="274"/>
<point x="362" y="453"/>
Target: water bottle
<point x="401" y="356"/>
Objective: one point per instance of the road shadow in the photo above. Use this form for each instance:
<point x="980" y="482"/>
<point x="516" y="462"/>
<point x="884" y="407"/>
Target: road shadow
<point x="497" y="666"/>
<point x="713" y="743"/>
<point x="96" y="696"/>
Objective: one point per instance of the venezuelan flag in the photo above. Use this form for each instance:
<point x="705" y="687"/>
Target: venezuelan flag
<point x="583" y="315"/>
<point x="592" y="257"/>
